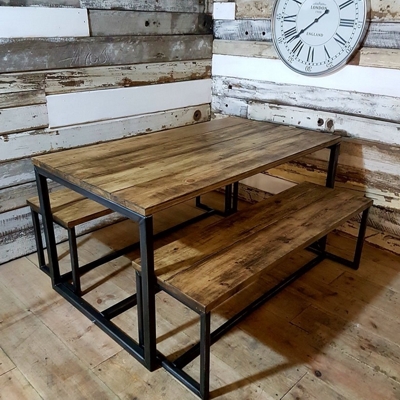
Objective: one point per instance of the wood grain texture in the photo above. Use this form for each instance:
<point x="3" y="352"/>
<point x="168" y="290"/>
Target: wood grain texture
<point x="29" y="55"/>
<point x="45" y="3"/>
<point x="379" y="35"/>
<point x="145" y="5"/>
<point x="167" y="176"/>
<point x="117" y="23"/>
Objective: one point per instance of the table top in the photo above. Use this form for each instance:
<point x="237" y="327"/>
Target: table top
<point x="150" y="173"/>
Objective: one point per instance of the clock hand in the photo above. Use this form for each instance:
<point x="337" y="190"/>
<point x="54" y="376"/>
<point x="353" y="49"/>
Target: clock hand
<point x="309" y="26"/>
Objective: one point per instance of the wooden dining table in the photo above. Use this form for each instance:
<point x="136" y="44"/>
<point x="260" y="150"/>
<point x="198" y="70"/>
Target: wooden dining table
<point x="143" y="175"/>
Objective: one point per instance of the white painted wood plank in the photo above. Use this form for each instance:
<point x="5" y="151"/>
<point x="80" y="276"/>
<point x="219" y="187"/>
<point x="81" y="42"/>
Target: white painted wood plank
<point x="356" y="127"/>
<point x="364" y="80"/>
<point x="224" y="10"/>
<point x="31" y="143"/>
<point x="78" y="108"/>
<point x="20" y="22"/>
<point x="23" y="118"/>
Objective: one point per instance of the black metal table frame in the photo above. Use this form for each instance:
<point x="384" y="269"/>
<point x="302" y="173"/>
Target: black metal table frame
<point x="145" y="350"/>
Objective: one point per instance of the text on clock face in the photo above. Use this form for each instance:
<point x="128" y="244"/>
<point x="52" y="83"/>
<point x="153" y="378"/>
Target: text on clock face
<point x="313" y="35"/>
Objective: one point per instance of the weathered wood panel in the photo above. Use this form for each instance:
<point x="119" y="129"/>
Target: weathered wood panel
<point x="47" y="3"/>
<point x="366" y="57"/>
<point x="82" y="107"/>
<point x="95" y="78"/>
<point x="20" y="22"/>
<point x="330" y="100"/>
<point x="23" y="118"/>
<point x="224" y="10"/>
<point x="15" y="146"/>
<point x="381" y="10"/>
<point x="146" y="5"/>
<point x="24" y="98"/>
<point x="345" y="125"/>
<point x="117" y="23"/>
<point x="30" y="55"/>
<point x="16" y="173"/>
<point x="381" y="35"/>
<point x="368" y="80"/>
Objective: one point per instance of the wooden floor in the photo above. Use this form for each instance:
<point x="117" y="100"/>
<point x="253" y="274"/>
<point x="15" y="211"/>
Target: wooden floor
<point x="334" y="334"/>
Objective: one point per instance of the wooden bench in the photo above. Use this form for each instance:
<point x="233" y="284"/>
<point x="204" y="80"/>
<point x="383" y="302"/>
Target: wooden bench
<point x="208" y="267"/>
<point x="69" y="210"/>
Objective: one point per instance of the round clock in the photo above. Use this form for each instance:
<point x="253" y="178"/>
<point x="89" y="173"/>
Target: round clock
<point x="316" y="37"/>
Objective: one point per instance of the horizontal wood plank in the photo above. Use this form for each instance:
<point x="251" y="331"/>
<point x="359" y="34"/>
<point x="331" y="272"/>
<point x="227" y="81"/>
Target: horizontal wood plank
<point x="82" y="107"/>
<point x="46" y="3"/>
<point x="117" y="23"/>
<point x="31" y="54"/>
<point x="16" y="173"/>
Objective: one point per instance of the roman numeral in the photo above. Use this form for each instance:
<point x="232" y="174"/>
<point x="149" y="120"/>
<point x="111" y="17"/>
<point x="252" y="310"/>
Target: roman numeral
<point x="290" y="32"/>
<point x="290" y="18"/>
<point x="297" y="49"/>
<point x="326" y="52"/>
<point x="346" y="3"/>
<point x="310" y="56"/>
<point x="347" y="23"/>
<point x="339" y="39"/>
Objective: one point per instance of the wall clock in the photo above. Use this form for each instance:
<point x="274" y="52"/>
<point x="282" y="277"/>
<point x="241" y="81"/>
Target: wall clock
<point x="317" y="37"/>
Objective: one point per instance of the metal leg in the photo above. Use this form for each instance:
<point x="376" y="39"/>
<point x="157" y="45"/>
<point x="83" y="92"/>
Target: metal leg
<point x="139" y="307"/>
<point x="205" y="343"/>
<point x="332" y="166"/>
<point x="43" y="191"/>
<point x="360" y="239"/>
<point x="38" y="239"/>
<point x="73" y="251"/>
<point x="228" y="199"/>
<point x="148" y="292"/>
<point x="235" y="197"/>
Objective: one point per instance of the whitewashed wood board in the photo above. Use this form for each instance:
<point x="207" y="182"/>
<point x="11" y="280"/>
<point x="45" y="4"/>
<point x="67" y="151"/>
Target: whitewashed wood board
<point x="31" y="143"/>
<point x="82" y="107"/>
<point x="16" y="173"/>
<point x="381" y="10"/>
<point x="21" y="22"/>
<point x="385" y="35"/>
<point x="356" y="127"/>
<point x="369" y="80"/>
<point x="17" y="55"/>
<point x="224" y="10"/>
<point x="24" y="98"/>
<point x="229" y="106"/>
<point x="146" y="5"/>
<point x="366" y="57"/>
<point x="310" y="97"/>
<point x="23" y="118"/>
<point x="41" y="3"/>
<point x="117" y="23"/>
<point x="99" y="78"/>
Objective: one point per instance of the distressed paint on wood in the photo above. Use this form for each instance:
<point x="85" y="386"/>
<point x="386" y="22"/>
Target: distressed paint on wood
<point x="82" y="107"/>
<point x="381" y="10"/>
<point x="16" y="173"/>
<point x="381" y="35"/>
<point x="54" y="53"/>
<point x="146" y="5"/>
<point x="23" y="118"/>
<point x="20" y="22"/>
<point x="24" y="98"/>
<point x="31" y="143"/>
<point x="118" y="23"/>
<point x="329" y="100"/>
<point x="366" y="80"/>
<point x="46" y="3"/>
<point x="95" y="78"/>
<point x="366" y="57"/>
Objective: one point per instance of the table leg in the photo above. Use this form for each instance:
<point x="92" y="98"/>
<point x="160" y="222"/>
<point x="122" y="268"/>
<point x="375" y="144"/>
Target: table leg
<point x="148" y="292"/>
<point x="48" y="226"/>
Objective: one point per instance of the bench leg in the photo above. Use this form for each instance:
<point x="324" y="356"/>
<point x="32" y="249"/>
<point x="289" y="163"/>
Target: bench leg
<point x="139" y="307"/>
<point x="73" y="251"/>
<point x="38" y="239"/>
<point x="205" y="343"/>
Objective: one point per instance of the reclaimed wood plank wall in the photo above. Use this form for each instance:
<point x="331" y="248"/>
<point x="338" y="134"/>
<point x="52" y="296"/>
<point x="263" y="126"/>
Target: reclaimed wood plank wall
<point x="361" y="102"/>
<point x="76" y="72"/>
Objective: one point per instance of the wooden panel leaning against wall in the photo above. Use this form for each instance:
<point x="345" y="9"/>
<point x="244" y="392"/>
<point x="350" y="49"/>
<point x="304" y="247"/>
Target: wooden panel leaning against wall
<point x="361" y="102"/>
<point x="146" y="49"/>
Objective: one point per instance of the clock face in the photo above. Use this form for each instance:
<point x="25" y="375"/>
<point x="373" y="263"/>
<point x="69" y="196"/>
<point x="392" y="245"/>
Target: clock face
<point x="315" y="37"/>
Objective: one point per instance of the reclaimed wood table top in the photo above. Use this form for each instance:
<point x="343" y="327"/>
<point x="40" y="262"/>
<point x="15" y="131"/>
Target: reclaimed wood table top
<point x="150" y="173"/>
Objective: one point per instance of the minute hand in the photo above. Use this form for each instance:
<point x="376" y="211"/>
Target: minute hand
<point x="309" y="26"/>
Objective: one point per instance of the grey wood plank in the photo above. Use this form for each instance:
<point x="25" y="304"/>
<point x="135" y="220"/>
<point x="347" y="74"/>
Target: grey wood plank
<point x="116" y="23"/>
<point x="31" y="54"/>
<point x="45" y="3"/>
<point x="146" y="5"/>
<point x="379" y="35"/>
<point x="16" y="173"/>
